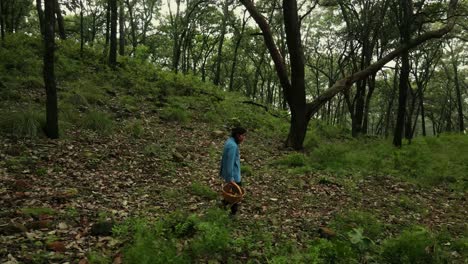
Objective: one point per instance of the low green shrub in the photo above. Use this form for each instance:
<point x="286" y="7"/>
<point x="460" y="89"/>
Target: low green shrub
<point x="346" y="222"/>
<point x="96" y="258"/>
<point x="180" y="238"/>
<point x="293" y="160"/>
<point x="413" y="246"/>
<point x="246" y="170"/>
<point x="135" y="128"/>
<point x="203" y="191"/>
<point x="97" y="121"/>
<point x="174" y="114"/>
<point x="153" y="150"/>
<point x="30" y="123"/>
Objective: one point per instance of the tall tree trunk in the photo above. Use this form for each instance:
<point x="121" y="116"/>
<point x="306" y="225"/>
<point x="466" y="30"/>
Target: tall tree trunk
<point x="49" y="74"/>
<point x="113" y="34"/>
<point x="132" y="27"/>
<point x="40" y="15"/>
<point x="121" y="29"/>
<point x="371" y="85"/>
<point x="81" y="29"/>
<point x="217" y="76"/>
<point x="295" y="95"/>
<point x="403" y="89"/>
<point x="423" y="118"/>
<point x="108" y="25"/>
<point x="388" y="114"/>
<point x="461" y="125"/>
<point x="60" y="23"/>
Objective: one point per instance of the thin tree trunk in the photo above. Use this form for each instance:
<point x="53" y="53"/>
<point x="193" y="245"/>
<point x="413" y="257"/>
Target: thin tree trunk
<point x="423" y="118"/>
<point x="81" y="29"/>
<point x="461" y="125"/>
<point x="60" y="23"/>
<point x="371" y="85"/>
<point x="403" y="89"/>
<point x="132" y="27"/>
<point x="49" y="74"/>
<point x="217" y="76"/>
<point x="121" y="29"/>
<point x="40" y="15"/>
<point x="108" y="22"/>
<point x="113" y="35"/>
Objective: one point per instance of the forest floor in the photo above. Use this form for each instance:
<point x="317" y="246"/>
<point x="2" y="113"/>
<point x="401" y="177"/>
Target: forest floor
<point x="53" y="191"/>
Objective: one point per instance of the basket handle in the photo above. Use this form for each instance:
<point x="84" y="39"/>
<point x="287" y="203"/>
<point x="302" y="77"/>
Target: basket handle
<point x="236" y="186"/>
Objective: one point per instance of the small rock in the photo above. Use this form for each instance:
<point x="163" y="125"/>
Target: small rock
<point x="13" y="229"/>
<point x="56" y="246"/>
<point x="62" y="226"/>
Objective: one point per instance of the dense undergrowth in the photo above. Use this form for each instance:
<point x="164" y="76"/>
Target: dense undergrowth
<point x="427" y="161"/>
<point x="103" y="102"/>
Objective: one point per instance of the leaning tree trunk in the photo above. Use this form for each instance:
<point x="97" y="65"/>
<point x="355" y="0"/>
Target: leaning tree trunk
<point x="298" y="122"/>
<point x="49" y="74"/>
<point x="113" y="34"/>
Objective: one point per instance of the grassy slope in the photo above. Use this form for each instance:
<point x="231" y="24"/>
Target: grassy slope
<point x="141" y="143"/>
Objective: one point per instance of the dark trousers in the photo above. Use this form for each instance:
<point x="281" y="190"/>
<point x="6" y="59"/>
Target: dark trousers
<point x="234" y="207"/>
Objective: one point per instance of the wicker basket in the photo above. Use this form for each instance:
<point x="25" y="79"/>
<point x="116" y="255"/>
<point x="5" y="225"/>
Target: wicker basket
<point x="233" y="193"/>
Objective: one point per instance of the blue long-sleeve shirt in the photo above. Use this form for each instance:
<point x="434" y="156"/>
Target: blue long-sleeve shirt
<point x="230" y="162"/>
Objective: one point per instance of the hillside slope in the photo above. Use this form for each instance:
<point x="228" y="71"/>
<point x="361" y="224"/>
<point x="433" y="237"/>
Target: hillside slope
<point x="141" y="145"/>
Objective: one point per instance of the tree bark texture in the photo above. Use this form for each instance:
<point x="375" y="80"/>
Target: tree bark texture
<point x="113" y="34"/>
<point x="40" y="15"/>
<point x="49" y="73"/>
<point x="121" y="29"/>
<point x="217" y="76"/>
<point x="81" y="28"/>
<point x="60" y="23"/>
<point x="461" y="125"/>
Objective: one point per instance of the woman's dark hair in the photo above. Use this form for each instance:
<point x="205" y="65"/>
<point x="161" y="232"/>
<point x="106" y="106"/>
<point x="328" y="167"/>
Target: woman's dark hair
<point x="238" y="131"/>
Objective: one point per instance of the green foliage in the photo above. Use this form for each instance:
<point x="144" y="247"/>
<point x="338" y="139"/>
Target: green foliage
<point x="203" y="191"/>
<point x="347" y="222"/>
<point x="206" y="237"/>
<point x="96" y="258"/>
<point x="174" y="114"/>
<point x="412" y="246"/>
<point x="98" y="121"/>
<point x="152" y="150"/>
<point x="427" y="161"/>
<point x="135" y="129"/>
<point x="130" y="103"/>
<point x="29" y="123"/>
<point x="246" y="170"/>
<point x="18" y="164"/>
<point x="293" y="160"/>
<point x="37" y="211"/>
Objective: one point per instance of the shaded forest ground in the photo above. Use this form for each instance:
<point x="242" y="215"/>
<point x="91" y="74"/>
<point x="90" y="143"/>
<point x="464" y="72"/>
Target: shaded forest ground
<point x="140" y="144"/>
